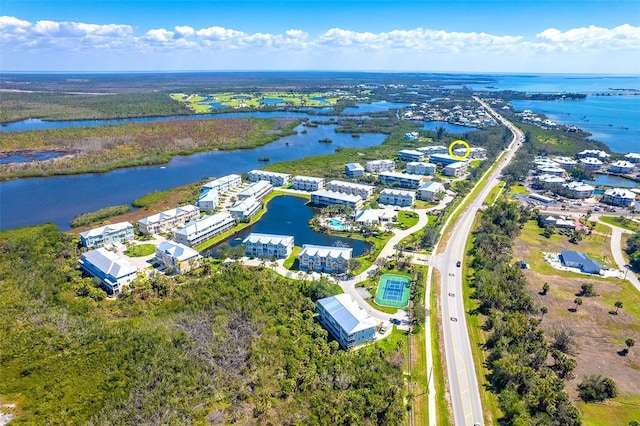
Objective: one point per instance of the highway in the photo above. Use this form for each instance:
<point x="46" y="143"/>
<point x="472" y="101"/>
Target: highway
<point x="463" y="383"/>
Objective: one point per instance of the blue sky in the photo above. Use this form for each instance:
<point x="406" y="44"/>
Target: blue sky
<point x="584" y="36"/>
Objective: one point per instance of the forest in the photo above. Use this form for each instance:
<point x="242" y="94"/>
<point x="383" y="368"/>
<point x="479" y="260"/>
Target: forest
<point x="241" y="346"/>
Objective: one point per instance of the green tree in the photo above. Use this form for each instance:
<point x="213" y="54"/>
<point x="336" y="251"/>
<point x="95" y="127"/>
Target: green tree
<point x="545" y="288"/>
<point x="578" y="302"/>
<point x="544" y="310"/>
<point x="618" y="305"/>
<point x="587" y="290"/>
<point x="630" y="343"/>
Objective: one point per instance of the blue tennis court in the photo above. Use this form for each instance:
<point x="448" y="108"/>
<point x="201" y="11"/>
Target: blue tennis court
<point x="393" y="291"/>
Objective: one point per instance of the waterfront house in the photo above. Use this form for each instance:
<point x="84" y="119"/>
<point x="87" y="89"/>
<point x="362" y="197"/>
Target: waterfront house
<point x="421" y="168"/>
<point x="177" y="257"/>
<point x="410" y="155"/>
<point x="353" y="170"/>
<point x="168" y="220"/>
<point x="577" y="190"/>
<point x="455" y="169"/>
<point x="565" y="162"/>
<point x="347" y="322"/>
<point x="549" y="182"/>
<point x="377" y="166"/>
<point x="621" y="166"/>
<point x="619" y="197"/>
<point x="112" y="271"/>
<point x="307" y="183"/>
<point x="245" y="209"/>
<point x="204" y="229"/>
<point x="107" y="235"/>
<point x="428" y="191"/>
<point x="590" y="164"/>
<point x="208" y="201"/>
<point x="576" y="259"/>
<point x="323" y="197"/>
<point x="403" y="180"/>
<point x="276" y="246"/>
<point x="633" y="157"/>
<point x="257" y="190"/>
<point x="593" y="153"/>
<point x="363" y="191"/>
<point x="553" y="171"/>
<point x="223" y="184"/>
<point x="332" y="260"/>
<point x="274" y="178"/>
<point x="397" y="197"/>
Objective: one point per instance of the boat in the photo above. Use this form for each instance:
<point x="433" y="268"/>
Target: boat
<point x="263" y="158"/>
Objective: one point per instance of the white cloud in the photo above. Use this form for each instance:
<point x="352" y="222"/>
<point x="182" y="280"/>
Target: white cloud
<point x="621" y="37"/>
<point x="10" y="21"/>
<point x="159" y="36"/>
<point x="185" y="31"/>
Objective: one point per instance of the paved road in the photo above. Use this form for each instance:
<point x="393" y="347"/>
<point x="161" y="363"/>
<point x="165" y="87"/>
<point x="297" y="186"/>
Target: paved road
<point x="616" y="250"/>
<point x="463" y="383"/>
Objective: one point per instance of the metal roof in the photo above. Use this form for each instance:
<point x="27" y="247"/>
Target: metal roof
<point x="109" y="263"/>
<point x="326" y="251"/>
<point x="177" y="251"/>
<point x="274" y="239"/>
<point x="349" y="316"/>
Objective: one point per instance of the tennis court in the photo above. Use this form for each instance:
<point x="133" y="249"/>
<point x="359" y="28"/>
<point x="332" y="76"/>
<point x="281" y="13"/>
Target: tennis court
<point x="393" y="291"/>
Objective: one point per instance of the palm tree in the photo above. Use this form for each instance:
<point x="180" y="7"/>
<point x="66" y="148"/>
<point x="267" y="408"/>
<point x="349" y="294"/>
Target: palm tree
<point x="629" y="343"/>
<point x="545" y="288"/>
<point x="578" y="302"/>
<point x="544" y="310"/>
<point x="618" y="305"/>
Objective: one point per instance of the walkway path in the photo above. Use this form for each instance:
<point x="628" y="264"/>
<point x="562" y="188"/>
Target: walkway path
<point x="616" y="250"/>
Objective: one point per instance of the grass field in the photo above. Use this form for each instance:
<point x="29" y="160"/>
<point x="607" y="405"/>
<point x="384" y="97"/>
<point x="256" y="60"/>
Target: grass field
<point x="407" y="219"/>
<point x="621" y="222"/>
<point x="140" y="250"/>
<point x="200" y="104"/>
<point x="624" y="409"/>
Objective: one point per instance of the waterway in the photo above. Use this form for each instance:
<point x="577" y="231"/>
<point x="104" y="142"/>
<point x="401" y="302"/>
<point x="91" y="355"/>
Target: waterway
<point x="450" y="128"/>
<point x="613" y="181"/>
<point x="27" y="202"/>
<point x="289" y="215"/>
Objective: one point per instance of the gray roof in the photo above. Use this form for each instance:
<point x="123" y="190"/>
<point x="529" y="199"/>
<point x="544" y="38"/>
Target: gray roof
<point x="349" y="316"/>
<point x="354" y="166"/>
<point x="581" y="259"/>
<point x="177" y="251"/>
<point x="326" y="251"/>
<point x="432" y="186"/>
<point x="109" y="263"/>
<point x="105" y="229"/>
<point x="337" y="195"/>
<point x="274" y="239"/>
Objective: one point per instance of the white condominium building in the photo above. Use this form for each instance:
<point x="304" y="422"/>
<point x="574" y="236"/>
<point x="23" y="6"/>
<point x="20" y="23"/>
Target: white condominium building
<point x="274" y="178"/>
<point x="363" y="191"/>
<point x="307" y="183"/>
<point x="168" y="220"/>
<point x="397" y="197"/>
<point x="377" y="166"/>
<point x="204" y="229"/>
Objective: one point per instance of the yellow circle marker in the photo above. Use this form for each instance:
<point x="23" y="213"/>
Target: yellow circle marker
<point x="459" y="142"/>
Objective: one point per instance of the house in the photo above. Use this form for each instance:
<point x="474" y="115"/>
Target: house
<point x="223" y="184"/>
<point x="474" y="153"/>
<point x="557" y="221"/>
<point x="377" y="166"/>
<point x="276" y="246"/>
<point x="397" y="197"/>
<point x="204" y="229"/>
<point x="353" y="170"/>
<point x="257" y="190"/>
<point x="410" y="155"/>
<point x="274" y="178"/>
<point x="590" y="164"/>
<point x="428" y="191"/>
<point x="177" y="257"/>
<point x="633" y="157"/>
<point x="619" y="197"/>
<point x="565" y="162"/>
<point x="403" y="180"/>
<point x="368" y="216"/>
<point x="349" y="324"/>
<point x="106" y="235"/>
<point x="622" y="167"/>
<point x="455" y="169"/>
<point x="332" y="260"/>
<point x="576" y="259"/>
<point x="436" y="149"/>
<point x="322" y="197"/>
<point x="411" y="136"/>
<point x="245" y="209"/>
<point x="168" y="220"/>
<point x="421" y="168"/>
<point x="550" y="182"/>
<point x="442" y="159"/>
<point x="552" y="171"/>
<point x="593" y="153"/>
<point x="112" y="271"/>
<point x="208" y="201"/>
<point x="363" y="191"/>
<point x="307" y="183"/>
<point x="577" y="190"/>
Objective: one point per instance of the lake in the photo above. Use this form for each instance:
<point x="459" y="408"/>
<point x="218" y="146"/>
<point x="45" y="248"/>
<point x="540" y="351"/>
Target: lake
<point x="374" y="107"/>
<point x="613" y="181"/>
<point x="289" y="215"/>
<point x="450" y="128"/>
<point x="26" y="202"/>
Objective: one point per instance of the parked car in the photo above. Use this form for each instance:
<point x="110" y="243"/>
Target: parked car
<point x="458" y="263"/>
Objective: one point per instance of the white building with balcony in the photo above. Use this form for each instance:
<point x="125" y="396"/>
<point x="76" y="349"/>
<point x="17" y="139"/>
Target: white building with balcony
<point x="428" y="191"/>
<point x="208" y="201"/>
<point x="112" y="271"/>
<point x="223" y="184"/>
<point x="421" y="168"/>
<point x="332" y="198"/>
<point x="274" y="178"/>
<point x="257" y="190"/>
<point x="403" y="180"/>
<point x="204" y="229"/>
<point x="455" y="169"/>
<point x="622" y="167"/>
<point x="107" y="235"/>
<point x="410" y="155"/>
<point x="327" y="259"/>
<point x="377" y="166"/>
<point x="168" y="220"/>
<point x="245" y="209"/>
<point x="577" y="190"/>
<point x="307" y="183"/>
<point x="353" y="170"/>
<point x="619" y="197"/>
<point x="363" y="191"/>
<point x="275" y="246"/>
<point x="436" y="149"/>
<point x="590" y="164"/>
<point x="397" y="197"/>
<point x="177" y="257"/>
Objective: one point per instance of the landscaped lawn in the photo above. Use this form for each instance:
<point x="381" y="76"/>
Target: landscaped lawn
<point x="407" y="219"/>
<point x="140" y="250"/>
<point x="621" y="222"/>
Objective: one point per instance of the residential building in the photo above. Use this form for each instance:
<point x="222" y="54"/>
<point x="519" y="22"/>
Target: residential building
<point x="619" y="197"/>
<point x="475" y="153"/>
<point x="410" y="155"/>
<point x="276" y="246"/>
<point x="329" y="259"/>
<point x="621" y="166"/>
<point x="112" y="271"/>
<point x="368" y="216"/>
<point x="377" y="166"/>
<point x="428" y="191"/>
<point x="565" y="162"/>
<point x="107" y="235"/>
<point x="411" y="136"/>
<point x="307" y="183"/>
<point x="257" y="190"/>
<point x="553" y="171"/>
<point x="245" y="209"/>
<point x="208" y="201"/>
<point x="274" y="178"/>
<point x="593" y="153"/>
<point x="353" y="170"/>
<point x="456" y="169"/>
<point x="550" y="182"/>
<point x="347" y="322"/>
<point x="322" y="197"/>
<point x="576" y="259"/>
<point x="397" y="197"/>
<point x="590" y="164"/>
<point x="633" y="157"/>
<point x="168" y="220"/>
<point x="421" y="168"/>
<point x="204" y="229"/>
<point x="223" y="184"/>
<point x="577" y="190"/>
<point x="541" y="198"/>
<point x="403" y="180"/>
<point x="557" y="221"/>
<point x="177" y="257"/>
<point x="443" y="159"/>
<point x="436" y="149"/>
<point x="363" y="191"/>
